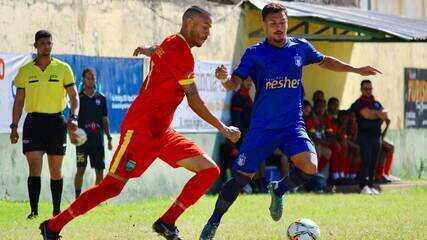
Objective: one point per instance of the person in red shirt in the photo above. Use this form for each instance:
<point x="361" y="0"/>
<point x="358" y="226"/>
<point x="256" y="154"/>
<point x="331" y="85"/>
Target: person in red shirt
<point x="146" y="133"/>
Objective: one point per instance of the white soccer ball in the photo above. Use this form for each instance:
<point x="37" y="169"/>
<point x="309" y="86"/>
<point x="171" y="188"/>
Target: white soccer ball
<point x="81" y="136"/>
<point x="303" y="229"/>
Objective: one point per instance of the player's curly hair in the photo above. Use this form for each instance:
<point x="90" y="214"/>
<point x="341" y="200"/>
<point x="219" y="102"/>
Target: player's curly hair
<point x="273" y="8"/>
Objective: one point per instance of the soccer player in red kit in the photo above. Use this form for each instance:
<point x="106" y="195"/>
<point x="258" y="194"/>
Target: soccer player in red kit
<point x="146" y="133"/>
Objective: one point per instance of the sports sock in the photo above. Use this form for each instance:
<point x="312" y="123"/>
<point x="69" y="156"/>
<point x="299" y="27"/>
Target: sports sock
<point x="78" y="192"/>
<point x="34" y="186"/>
<point x="56" y="190"/>
<point x="229" y="193"/>
<point x="295" y="179"/>
<point x="388" y="163"/>
<point x="192" y="191"/>
<point x="108" y="188"/>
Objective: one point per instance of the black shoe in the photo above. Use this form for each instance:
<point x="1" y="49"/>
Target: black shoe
<point x="168" y="231"/>
<point x="32" y="215"/>
<point x="48" y="234"/>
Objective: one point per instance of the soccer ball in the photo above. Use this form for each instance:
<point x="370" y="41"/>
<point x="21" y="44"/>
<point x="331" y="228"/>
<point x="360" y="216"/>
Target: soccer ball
<point x="81" y="136"/>
<point x="303" y="229"/>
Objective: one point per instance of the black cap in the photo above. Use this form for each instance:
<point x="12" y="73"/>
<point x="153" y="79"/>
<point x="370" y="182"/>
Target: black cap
<point x="42" y="34"/>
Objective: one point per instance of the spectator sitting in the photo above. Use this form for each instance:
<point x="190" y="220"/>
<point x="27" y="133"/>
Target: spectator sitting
<point x="333" y="107"/>
<point x="315" y="124"/>
<point x="385" y="163"/>
<point x="318" y="95"/>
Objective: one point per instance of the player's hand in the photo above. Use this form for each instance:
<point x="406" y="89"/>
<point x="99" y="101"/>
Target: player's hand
<point x="232" y="133"/>
<point x="221" y="73"/>
<point x="144" y="50"/>
<point x="72" y="125"/>
<point x="110" y="144"/>
<point x="14" y="136"/>
<point x="367" y="71"/>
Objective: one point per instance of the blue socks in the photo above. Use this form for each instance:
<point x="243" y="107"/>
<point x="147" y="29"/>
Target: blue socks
<point x="229" y="193"/>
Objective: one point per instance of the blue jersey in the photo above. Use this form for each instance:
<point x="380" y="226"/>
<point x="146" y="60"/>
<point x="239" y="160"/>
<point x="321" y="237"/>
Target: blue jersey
<point x="277" y="76"/>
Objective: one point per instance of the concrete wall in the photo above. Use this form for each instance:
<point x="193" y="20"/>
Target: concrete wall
<point x="106" y="28"/>
<point x="406" y="8"/>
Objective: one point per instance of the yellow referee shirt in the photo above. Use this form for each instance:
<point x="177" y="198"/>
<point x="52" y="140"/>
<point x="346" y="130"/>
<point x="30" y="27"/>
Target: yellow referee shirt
<point x="45" y="90"/>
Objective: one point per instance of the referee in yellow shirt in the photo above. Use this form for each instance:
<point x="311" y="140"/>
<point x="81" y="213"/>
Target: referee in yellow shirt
<point x="42" y="86"/>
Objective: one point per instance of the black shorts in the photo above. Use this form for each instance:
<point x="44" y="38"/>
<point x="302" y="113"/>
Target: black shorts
<point x="45" y="132"/>
<point x="96" y="157"/>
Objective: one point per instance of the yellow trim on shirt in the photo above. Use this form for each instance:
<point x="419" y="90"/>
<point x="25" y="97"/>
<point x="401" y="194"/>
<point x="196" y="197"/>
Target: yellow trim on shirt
<point x="187" y="81"/>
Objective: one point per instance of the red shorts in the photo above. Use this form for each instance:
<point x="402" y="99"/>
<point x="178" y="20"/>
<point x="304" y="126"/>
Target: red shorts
<point x="137" y="151"/>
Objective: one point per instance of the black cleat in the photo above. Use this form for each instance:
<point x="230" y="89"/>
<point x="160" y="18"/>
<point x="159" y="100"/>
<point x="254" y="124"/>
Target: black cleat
<point x="48" y="234"/>
<point x="32" y="215"/>
<point x="168" y="231"/>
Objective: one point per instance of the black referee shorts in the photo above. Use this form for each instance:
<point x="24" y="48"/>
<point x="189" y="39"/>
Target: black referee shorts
<point x="96" y="156"/>
<point x="45" y="132"/>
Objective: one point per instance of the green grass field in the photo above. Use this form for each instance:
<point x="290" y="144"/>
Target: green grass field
<point x="396" y="214"/>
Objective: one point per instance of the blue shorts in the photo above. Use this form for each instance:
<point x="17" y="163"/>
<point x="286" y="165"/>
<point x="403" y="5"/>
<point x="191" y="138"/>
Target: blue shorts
<point x="259" y="144"/>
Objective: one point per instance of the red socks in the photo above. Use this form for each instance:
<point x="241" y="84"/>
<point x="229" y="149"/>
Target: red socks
<point x="192" y="191"/>
<point x="108" y="188"/>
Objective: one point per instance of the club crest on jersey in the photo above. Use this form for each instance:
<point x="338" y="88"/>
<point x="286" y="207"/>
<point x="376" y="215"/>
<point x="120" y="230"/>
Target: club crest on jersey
<point x="98" y="102"/>
<point x="241" y="160"/>
<point x="298" y="60"/>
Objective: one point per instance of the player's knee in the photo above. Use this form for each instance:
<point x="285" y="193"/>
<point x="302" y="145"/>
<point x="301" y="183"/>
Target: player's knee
<point x="242" y="179"/>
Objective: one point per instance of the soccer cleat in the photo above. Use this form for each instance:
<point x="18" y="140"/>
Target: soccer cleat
<point x="168" y="231"/>
<point x="48" y="234"/>
<point x="32" y="215"/>
<point x="208" y="232"/>
<point x="375" y="191"/>
<point x="276" y="205"/>
<point x="366" y="190"/>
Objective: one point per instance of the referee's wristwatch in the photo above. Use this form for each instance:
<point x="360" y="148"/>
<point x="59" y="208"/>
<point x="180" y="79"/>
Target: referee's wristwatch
<point x="74" y="117"/>
<point x="13" y="126"/>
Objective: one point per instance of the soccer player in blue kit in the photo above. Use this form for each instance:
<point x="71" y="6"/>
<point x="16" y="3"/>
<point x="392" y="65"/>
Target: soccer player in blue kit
<point x="275" y="66"/>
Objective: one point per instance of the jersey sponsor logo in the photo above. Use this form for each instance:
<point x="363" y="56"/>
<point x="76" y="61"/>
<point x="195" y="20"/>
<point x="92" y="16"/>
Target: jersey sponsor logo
<point x="2" y="68"/>
<point x="241" y="160"/>
<point x="280" y="82"/>
<point x="298" y="60"/>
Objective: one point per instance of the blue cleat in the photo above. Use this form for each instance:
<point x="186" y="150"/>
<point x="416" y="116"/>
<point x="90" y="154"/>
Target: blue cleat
<point x="276" y="205"/>
<point x="208" y="232"/>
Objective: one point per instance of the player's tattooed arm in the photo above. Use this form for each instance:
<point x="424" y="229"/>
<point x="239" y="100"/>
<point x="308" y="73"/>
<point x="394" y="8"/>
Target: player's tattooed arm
<point x="145" y="50"/>
<point x="231" y="83"/>
<point x="337" y="65"/>
<point x="199" y="107"/>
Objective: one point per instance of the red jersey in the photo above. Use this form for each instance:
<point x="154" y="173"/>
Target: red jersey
<point x="171" y="65"/>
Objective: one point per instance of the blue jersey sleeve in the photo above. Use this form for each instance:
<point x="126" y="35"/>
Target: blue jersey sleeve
<point x="245" y="66"/>
<point x="311" y="54"/>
